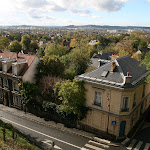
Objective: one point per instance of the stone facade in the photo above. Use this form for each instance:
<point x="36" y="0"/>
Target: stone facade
<point x="13" y="71"/>
<point x="115" y="98"/>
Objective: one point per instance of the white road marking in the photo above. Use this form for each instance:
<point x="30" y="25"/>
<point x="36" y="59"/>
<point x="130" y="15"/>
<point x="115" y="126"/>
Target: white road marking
<point x="42" y="134"/>
<point x="131" y="144"/>
<point x="49" y="142"/>
<point x="138" y="145"/>
<point x="125" y="141"/>
<point x="93" y="147"/>
<point x="103" y="145"/>
<point x="147" y="146"/>
<point x="102" y="140"/>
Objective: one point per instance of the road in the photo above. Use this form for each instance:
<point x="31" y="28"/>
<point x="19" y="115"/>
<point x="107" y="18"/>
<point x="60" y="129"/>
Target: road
<point x="45" y="134"/>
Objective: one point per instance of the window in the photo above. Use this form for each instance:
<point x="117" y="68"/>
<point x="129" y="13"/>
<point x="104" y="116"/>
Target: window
<point x="143" y="91"/>
<point x="6" y="83"/>
<point x="134" y="100"/>
<point x="98" y="98"/>
<point x="16" y="87"/>
<point x="125" y="104"/>
<point x="1" y="82"/>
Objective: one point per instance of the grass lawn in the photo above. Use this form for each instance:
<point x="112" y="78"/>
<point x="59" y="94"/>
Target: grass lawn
<point x="19" y="143"/>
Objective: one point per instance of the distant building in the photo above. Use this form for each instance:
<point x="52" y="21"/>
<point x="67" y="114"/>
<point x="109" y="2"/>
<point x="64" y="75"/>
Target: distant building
<point x="13" y="71"/>
<point x="116" y="95"/>
<point x="93" y="42"/>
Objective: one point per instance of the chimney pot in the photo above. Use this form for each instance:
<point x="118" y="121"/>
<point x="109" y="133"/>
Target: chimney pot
<point x="128" y="74"/>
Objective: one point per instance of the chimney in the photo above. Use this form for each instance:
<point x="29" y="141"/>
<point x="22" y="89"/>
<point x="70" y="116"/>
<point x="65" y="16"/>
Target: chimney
<point x="113" y="65"/>
<point x="128" y="78"/>
<point x="100" y="52"/>
<point x="113" y="57"/>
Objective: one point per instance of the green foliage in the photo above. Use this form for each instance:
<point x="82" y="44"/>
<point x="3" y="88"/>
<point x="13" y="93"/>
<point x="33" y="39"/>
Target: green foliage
<point x="29" y="91"/>
<point x="34" y="46"/>
<point x="146" y="62"/>
<point x="40" y="53"/>
<point x="103" y="41"/>
<point x="56" y="49"/>
<point x="16" y="141"/>
<point x="72" y="95"/>
<point x="136" y="42"/>
<point x="49" y="66"/>
<point x="25" y="41"/>
<point x="142" y="44"/>
<point x="4" y="42"/>
<point x="15" y="46"/>
<point x="14" y="36"/>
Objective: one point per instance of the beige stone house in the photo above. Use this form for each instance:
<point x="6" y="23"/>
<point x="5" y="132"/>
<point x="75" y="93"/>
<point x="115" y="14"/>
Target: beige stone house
<point x="13" y="71"/>
<point x="117" y="95"/>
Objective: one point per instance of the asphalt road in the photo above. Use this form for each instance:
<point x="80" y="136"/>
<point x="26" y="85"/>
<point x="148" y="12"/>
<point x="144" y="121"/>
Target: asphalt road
<point x="45" y="134"/>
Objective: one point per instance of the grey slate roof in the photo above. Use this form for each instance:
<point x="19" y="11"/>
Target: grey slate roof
<point x="105" y="56"/>
<point x="117" y="77"/>
<point x="98" y="57"/>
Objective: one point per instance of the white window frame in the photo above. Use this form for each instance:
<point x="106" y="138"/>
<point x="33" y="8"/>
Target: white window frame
<point x="98" y="98"/>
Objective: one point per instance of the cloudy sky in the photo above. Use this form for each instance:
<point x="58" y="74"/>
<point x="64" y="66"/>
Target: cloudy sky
<point x="75" y="12"/>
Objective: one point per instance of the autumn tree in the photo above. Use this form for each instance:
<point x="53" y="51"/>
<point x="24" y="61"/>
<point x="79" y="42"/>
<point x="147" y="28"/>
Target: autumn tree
<point x="49" y="65"/>
<point x="15" y="46"/>
<point x="4" y="42"/>
<point x="47" y="85"/>
<point x="34" y="46"/>
<point x="72" y="95"/>
<point x="146" y="61"/>
<point x="25" y="41"/>
<point x="55" y="49"/>
<point x="73" y="43"/>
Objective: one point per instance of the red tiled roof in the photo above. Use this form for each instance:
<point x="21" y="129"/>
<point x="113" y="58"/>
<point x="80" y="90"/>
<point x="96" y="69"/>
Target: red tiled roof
<point x="21" y="57"/>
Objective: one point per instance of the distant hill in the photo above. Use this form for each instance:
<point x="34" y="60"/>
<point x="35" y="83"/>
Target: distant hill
<point x="107" y="27"/>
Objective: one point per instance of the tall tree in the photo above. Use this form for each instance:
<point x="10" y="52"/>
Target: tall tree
<point x="4" y="42"/>
<point x="72" y="95"/>
<point x="15" y="46"/>
<point x="49" y="66"/>
<point x="25" y="41"/>
<point x="34" y="46"/>
<point x="56" y="49"/>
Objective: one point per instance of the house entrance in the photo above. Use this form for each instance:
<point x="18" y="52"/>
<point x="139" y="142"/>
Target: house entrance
<point x="122" y="128"/>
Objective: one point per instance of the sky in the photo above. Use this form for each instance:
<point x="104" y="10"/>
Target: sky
<point x="75" y="12"/>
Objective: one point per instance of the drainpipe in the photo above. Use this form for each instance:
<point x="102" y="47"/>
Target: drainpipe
<point x="108" y="99"/>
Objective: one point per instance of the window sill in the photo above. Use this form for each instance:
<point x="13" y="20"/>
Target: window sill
<point x="125" y="110"/>
<point x="97" y="104"/>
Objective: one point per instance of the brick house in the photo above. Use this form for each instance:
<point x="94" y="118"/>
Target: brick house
<point x="117" y="95"/>
<point x="13" y="71"/>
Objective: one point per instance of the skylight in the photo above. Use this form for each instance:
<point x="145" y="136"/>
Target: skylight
<point x="104" y="74"/>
